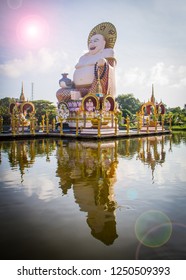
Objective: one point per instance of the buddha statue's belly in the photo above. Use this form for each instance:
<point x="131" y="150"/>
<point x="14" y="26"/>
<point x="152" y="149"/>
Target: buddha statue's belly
<point x="84" y="76"/>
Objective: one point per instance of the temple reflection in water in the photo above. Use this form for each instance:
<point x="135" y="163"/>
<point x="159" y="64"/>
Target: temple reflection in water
<point x="89" y="169"/>
<point x="151" y="152"/>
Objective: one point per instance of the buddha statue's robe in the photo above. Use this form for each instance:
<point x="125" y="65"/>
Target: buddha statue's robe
<point x="86" y="72"/>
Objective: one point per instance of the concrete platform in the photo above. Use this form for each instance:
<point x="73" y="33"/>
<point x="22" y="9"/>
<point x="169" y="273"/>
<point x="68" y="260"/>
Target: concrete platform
<point x="68" y="135"/>
<point x="94" y="131"/>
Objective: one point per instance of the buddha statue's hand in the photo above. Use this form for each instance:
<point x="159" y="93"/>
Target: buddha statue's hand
<point x="101" y="62"/>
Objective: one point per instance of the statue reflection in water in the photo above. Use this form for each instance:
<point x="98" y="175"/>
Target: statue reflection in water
<point x="90" y="169"/>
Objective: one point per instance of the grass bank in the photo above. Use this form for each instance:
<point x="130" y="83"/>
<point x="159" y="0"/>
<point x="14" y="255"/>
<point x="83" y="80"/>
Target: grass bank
<point x="179" y="127"/>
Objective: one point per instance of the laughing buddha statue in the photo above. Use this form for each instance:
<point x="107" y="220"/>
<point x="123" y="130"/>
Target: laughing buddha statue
<point x="97" y="63"/>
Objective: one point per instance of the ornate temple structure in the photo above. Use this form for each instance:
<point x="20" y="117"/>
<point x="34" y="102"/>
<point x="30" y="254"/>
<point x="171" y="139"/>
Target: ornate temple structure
<point x="90" y="96"/>
<point x="20" y="111"/>
<point x="151" y="114"/>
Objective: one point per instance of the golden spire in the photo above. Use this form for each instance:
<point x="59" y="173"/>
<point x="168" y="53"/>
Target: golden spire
<point x="152" y="96"/>
<point x="22" y="96"/>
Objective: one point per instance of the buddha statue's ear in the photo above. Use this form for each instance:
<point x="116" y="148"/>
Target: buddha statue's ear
<point x="104" y="41"/>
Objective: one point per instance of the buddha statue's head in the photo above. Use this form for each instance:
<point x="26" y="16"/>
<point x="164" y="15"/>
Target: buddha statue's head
<point x="96" y="44"/>
<point x="102" y="36"/>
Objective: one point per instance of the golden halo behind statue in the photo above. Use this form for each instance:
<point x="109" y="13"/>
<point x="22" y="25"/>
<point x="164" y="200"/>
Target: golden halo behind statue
<point x="106" y="29"/>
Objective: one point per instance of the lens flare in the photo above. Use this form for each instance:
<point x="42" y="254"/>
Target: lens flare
<point x="32" y="31"/>
<point x="153" y="228"/>
<point x="14" y="4"/>
<point x="171" y="252"/>
<point x="132" y="194"/>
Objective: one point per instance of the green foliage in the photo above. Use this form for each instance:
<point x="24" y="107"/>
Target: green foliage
<point x="178" y="116"/>
<point x="126" y="112"/>
<point x="128" y="104"/>
<point x="4" y="109"/>
<point x="174" y="110"/>
<point x="179" y="127"/>
<point x="44" y="106"/>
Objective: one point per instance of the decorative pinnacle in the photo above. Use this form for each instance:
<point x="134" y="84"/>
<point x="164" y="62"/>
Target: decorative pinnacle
<point x="152" y="97"/>
<point x="22" y="97"/>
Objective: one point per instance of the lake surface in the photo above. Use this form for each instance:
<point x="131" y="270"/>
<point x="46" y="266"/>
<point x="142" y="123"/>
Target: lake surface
<point x="118" y="199"/>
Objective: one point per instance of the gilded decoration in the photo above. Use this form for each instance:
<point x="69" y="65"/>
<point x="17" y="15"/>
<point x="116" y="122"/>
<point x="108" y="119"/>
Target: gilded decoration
<point x="27" y="106"/>
<point x="109" y="103"/>
<point x="22" y="113"/>
<point x="108" y="31"/>
<point x="148" y="106"/>
<point x="90" y="103"/>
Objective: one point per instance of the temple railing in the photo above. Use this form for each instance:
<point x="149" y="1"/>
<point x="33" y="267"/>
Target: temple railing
<point x="76" y="124"/>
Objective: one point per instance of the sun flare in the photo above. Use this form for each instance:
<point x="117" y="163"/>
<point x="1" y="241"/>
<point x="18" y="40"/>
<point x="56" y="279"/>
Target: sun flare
<point x="32" y="31"/>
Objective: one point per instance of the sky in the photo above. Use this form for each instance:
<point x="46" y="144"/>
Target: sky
<point x="41" y="39"/>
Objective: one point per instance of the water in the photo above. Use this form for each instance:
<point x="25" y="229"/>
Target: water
<point x="118" y="199"/>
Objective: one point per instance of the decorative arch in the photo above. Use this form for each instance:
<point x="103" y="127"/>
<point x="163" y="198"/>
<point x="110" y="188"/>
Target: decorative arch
<point x="11" y="107"/>
<point x="90" y="103"/>
<point x="109" y="103"/>
<point x="27" y="107"/>
<point x="148" y="105"/>
<point x="161" y="108"/>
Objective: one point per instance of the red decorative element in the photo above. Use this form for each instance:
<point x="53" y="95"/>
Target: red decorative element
<point x="148" y="109"/>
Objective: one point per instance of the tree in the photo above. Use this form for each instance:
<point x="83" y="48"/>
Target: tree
<point x="4" y="109"/>
<point x="44" y="106"/>
<point x="174" y="110"/>
<point x="178" y="115"/>
<point x="126" y="112"/>
<point x="128" y="102"/>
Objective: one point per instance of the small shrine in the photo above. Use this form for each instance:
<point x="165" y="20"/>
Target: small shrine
<point x="88" y="101"/>
<point x="151" y="114"/>
<point x="21" y="112"/>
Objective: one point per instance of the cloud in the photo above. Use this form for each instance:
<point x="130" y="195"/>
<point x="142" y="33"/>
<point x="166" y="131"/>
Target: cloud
<point x="39" y="185"/>
<point x="160" y="74"/>
<point x="169" y="82"/>
<point x="135" y="75"/>
<point x="41" y="62"/>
